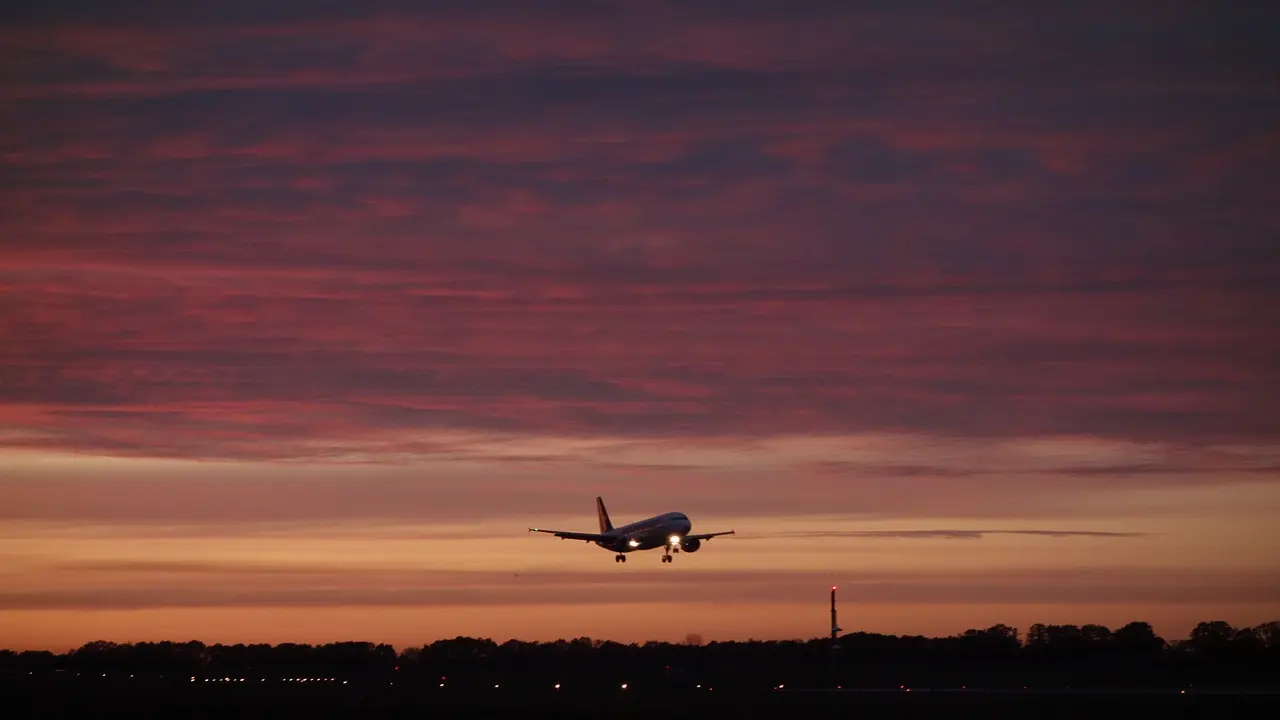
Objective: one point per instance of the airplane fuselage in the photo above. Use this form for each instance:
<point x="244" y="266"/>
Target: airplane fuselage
<point x="669" y="531"/>
<point x="655" y="532"/>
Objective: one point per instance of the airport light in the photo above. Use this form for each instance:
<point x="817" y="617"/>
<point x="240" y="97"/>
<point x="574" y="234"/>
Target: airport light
<point x="557" y="686"/>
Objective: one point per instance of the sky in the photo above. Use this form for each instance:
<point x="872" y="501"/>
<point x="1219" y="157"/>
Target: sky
<point x="310" y="310"/>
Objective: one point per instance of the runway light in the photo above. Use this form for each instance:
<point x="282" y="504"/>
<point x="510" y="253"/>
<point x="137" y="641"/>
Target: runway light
<point x="557" y="686"/>
<point x="624" y="686"/>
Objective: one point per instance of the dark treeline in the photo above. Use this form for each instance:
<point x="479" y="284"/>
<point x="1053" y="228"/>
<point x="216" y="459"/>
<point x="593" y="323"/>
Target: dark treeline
<point x="1214" y="654"/>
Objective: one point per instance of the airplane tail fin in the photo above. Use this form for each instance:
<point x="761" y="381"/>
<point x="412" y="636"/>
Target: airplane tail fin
<point x="605" y="525"/>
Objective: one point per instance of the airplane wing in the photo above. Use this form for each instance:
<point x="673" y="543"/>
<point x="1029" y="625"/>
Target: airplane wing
<point x="566" y="535"/>
<point x="708" y="536"/>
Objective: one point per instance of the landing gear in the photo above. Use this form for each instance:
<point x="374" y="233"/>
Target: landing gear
<point x="666" y="556"/>
<point x="619" y="558"/>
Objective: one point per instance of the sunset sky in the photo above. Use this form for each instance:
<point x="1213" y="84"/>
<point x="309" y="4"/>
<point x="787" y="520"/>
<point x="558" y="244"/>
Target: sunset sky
<point x="308" y="310"/>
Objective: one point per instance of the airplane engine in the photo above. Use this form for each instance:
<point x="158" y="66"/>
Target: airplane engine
<point x="690" y="545"/>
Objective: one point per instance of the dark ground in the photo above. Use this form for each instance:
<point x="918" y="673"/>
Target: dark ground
<point x="131" y="698"/>
<point x="1065" y="671"/>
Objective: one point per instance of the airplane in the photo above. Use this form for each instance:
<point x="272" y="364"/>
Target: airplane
<point x="669" y="531"/>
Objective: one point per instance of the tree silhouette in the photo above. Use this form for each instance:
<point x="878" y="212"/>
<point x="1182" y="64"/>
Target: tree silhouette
<point x="1214" y="652"/>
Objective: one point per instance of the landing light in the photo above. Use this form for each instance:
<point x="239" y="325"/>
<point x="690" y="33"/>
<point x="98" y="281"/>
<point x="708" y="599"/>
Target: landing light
<point x="633" y="543"/>
<point x="675" y="539"/>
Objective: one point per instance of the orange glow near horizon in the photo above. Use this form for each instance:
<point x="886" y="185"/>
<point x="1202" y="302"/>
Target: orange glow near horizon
<point x="415" y="570"/>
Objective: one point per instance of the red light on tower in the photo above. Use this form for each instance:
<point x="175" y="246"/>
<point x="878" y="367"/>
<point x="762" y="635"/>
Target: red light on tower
<point x="835" y="629"/>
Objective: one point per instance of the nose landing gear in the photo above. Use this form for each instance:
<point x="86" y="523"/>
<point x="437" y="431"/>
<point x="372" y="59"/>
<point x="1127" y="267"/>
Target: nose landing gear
<point x="619" y="558"/>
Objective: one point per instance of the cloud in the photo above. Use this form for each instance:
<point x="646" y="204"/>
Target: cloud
<point x="262" y="473"/>
<point x="941" y="534"/>
<point x="247" y="587"/>
<point x="305" y="233"/>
